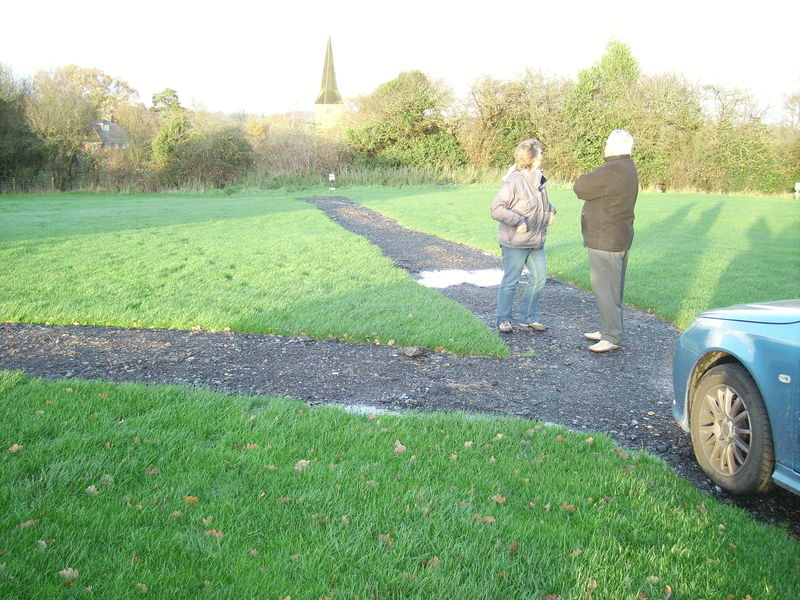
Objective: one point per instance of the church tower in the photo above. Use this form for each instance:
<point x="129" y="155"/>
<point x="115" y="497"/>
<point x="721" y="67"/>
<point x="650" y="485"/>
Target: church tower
<point x="328" y="107"/>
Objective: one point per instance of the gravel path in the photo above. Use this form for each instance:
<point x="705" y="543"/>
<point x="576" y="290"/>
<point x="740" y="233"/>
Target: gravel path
<point x="551" y="376"/>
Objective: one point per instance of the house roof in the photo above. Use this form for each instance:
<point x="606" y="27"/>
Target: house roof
<point x="110" y="133"/>
<point x="328" y="93"/>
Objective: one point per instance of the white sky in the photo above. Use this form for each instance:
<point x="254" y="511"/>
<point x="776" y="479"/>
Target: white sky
<point x="235" y="56"/>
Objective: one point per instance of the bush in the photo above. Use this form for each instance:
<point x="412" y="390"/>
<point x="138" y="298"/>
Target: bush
<point x="212" y="158"/>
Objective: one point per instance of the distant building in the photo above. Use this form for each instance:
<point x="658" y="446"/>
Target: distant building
<point x="328" y="107"/>
<point x="107" y="135"/>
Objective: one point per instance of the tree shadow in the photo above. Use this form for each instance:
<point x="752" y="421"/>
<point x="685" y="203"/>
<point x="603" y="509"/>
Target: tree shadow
<point x="661" y="266"/>
<point x="772" y="273"/>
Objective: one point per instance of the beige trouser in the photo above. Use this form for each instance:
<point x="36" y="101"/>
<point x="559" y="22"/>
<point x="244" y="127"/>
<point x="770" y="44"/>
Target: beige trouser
<point x="607" y="274"/>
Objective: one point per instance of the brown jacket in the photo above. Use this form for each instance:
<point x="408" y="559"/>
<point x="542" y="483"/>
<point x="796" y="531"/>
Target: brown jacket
<point x="609" y="194"/>
<point x="523" y="199"/>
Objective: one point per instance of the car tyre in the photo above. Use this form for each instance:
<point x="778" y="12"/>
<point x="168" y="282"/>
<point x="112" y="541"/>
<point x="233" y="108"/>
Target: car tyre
<point x="730" y="430"/>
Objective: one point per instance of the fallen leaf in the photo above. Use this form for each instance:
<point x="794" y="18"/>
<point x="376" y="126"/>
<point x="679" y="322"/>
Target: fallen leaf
<point x="590" y="588"/>
<point x="91" y="490"/>
<point x="27" y="524"/>
<point x="667" y="592"/>
<point x="254" y="552"/>
<point x="141" y="587"/>
<point x="652" y="579"/>
<point x="251" y="446"/>
<point x="214" y="533"/>
<point x="387" y="539"/>
<point x="345" y="520"/>
<point x="434" y="562"/>
<point x="42" y="544"/>
<point x="176" y="513"/>
<point x="398" y="447"/>
<point x="514" y="547"/>
<point x="560" y="438"/>
<point x="489" y="520"/>
<point x="301" y="464"/>
<point x="207" y="520"/>
<point x="69" y="574"/>
<point x="567" y="507"/>
<point x="153" y="471"/>
<point x="15" y="448"/>
<point x="453" y="456"/>
<point x="191" y="499"/>
<point x="589" y="441"/>
<point x="468" y="444"/>
<point x="499" y="499"/>
<point x="107" y="480"/>
<point x="552" y="597"/>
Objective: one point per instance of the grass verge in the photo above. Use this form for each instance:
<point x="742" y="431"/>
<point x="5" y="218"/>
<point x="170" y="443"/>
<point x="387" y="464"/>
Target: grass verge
<point x="262" y="263"/>
<point x="117" y="490"/>
<point x="691" y="252"/>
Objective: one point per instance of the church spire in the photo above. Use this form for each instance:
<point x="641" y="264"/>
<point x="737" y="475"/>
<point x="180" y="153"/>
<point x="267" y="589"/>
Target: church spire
<point x="328" y="93"/>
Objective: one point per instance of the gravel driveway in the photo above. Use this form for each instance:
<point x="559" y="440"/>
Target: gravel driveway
<point x="550" y="376"/>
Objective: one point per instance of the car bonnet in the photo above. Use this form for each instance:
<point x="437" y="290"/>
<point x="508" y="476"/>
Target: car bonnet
<point x="776" y="313"/>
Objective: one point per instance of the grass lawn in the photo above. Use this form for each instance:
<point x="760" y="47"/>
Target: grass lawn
<point x="263" y="263"/>
<point x="691" y="252"/>
<point x="116" y="491"/>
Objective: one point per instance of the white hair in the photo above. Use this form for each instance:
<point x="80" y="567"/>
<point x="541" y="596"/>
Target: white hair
<point x="619" y="142"/>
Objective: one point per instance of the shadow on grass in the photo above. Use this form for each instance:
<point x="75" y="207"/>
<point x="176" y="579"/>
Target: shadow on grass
<point x="670" y="260"/>
<point x="767" y="269"/>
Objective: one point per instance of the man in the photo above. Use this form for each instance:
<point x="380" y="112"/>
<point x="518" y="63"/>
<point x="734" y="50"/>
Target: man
<point x="609" y="195"/>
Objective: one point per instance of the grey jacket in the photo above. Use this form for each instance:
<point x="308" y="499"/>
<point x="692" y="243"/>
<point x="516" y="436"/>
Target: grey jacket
<point x="523" y="198"/>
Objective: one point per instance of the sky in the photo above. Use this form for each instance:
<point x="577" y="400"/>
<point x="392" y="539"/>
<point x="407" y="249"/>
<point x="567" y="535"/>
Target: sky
<point x="239" y="56"/>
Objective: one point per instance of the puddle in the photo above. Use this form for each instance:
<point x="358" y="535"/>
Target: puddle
<point x="450" y="277"/>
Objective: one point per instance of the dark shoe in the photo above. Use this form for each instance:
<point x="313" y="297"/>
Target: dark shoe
<point x="595" y="336"/>
<point x="505" y="327"/>
<point x="603" y="346"/>
<point x="536" y="326"/>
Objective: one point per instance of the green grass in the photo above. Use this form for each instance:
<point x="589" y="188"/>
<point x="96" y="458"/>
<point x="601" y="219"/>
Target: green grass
<point x="264" y="263"/>
<point x="691" y="252"/>
<point x="196" y="494"/>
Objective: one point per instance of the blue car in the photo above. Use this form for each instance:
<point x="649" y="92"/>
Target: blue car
<point x="735" y="377"/>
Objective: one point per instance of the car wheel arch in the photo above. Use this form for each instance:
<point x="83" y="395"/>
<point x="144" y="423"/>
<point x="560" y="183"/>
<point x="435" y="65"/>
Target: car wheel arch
<point x="707" y="362"/>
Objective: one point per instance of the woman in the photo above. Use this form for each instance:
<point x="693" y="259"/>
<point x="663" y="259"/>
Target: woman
<point x="524" y="213"/>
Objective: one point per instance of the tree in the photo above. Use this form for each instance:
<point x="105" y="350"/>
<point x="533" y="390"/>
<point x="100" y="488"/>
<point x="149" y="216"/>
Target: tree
<point x="20" y="148"/>
<point x="732" y="105"/>
<point x="62" y="117"/>
<point x="601" y="101"/>
<point x="174" y="131"/>
<point x="395" y="122"/>
<point x="669" y="116"/>
<point x="792" y="106"/>
<point x="166" y="101"/>
<point x="495" y="121"/>
<point x="105" y="93"/>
